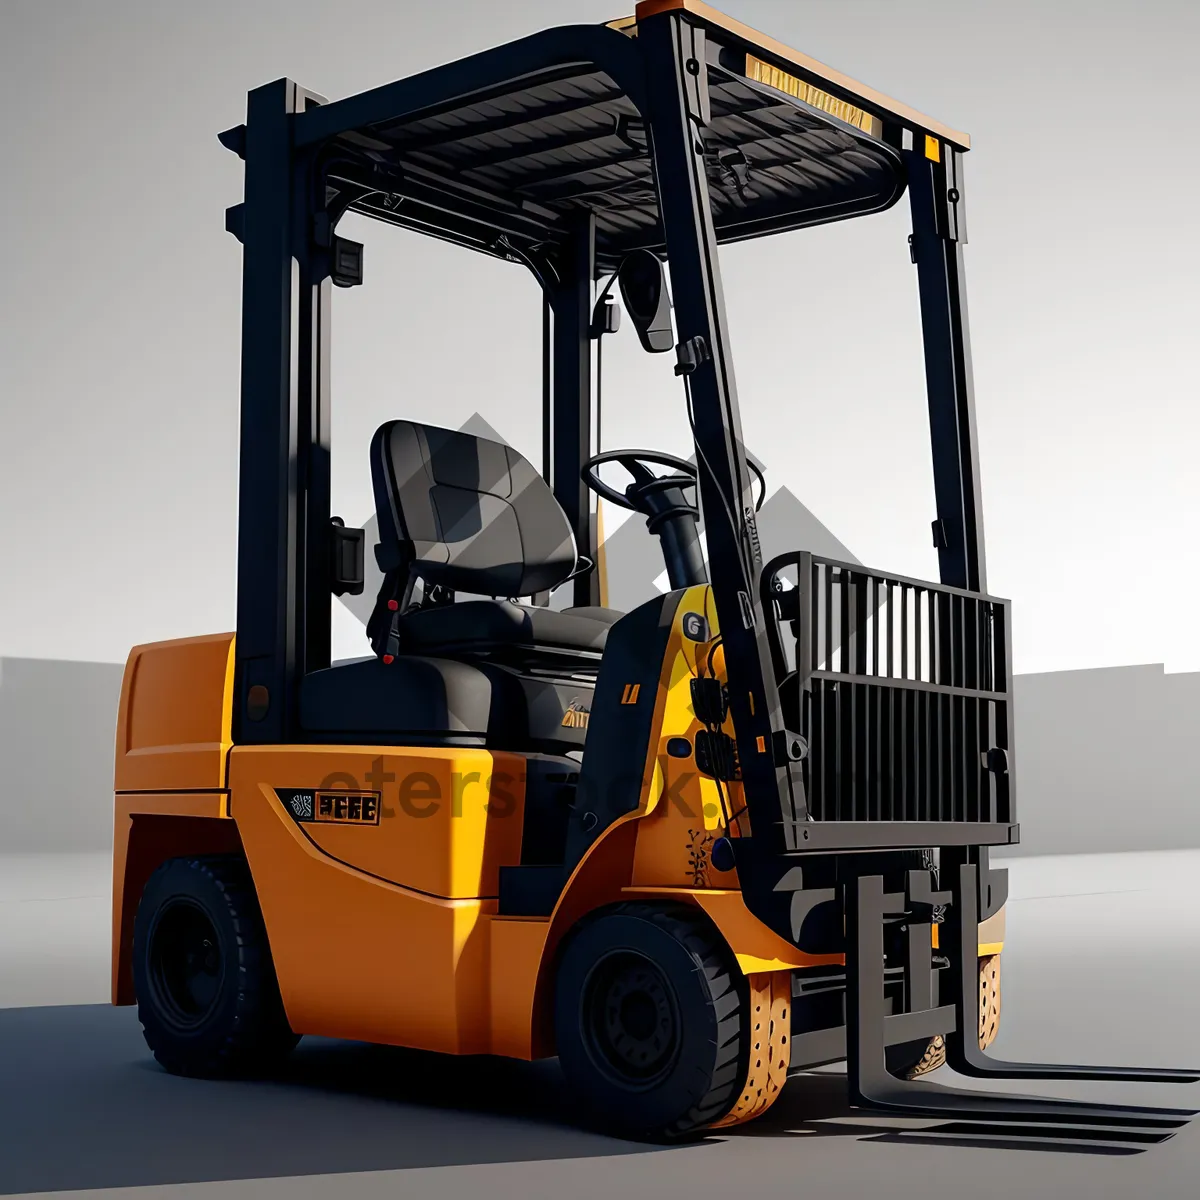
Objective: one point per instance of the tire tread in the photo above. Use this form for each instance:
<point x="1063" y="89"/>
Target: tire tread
<point x="712" y="958"/>
<point x="258" y="1035"/>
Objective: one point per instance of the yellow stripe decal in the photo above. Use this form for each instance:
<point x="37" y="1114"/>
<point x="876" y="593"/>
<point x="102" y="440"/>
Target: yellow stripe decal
<point x="781" y="81"/>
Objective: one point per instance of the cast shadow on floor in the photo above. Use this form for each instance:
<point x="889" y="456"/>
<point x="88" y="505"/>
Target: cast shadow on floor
<point x="83" y="1105"/>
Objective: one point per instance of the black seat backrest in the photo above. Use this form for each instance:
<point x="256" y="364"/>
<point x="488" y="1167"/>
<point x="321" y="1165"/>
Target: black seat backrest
<point x="467" y="513"/>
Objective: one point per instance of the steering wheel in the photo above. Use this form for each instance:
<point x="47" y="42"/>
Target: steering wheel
<point x="645" y="482"/>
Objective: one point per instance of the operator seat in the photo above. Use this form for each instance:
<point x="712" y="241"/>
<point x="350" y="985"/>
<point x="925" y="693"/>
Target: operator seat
<point x="471" y="515"/>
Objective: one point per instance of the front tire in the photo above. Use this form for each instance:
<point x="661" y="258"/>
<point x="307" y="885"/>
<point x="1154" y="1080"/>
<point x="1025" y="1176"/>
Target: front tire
<point x="207" y="995"/>
<point x="651" y="1021"/>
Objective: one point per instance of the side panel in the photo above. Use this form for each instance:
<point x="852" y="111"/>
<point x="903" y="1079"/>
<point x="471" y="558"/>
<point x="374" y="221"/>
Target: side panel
<point x="686" y="810"/>
<point x="618" y="775"/>
<point x="173" y="724"/>
<point x="379" y="932"/>
<point x="447" y="818"/>
<point x="517" y="946"/>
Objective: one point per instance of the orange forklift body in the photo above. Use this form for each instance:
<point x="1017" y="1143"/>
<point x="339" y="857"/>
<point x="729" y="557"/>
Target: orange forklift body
<point x="382" y="916"/>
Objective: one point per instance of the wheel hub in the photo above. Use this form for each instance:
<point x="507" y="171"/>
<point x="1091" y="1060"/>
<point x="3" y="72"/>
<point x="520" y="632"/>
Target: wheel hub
<point x="185" y="964"/>
<point x="631" y="1019"/>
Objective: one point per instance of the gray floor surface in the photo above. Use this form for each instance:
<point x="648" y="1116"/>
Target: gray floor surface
<point x="1101" y="966"/>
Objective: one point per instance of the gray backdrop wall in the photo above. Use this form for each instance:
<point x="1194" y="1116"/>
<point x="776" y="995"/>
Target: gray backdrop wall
<point x="1106" y="760"/>
<point x="57" y="733"/>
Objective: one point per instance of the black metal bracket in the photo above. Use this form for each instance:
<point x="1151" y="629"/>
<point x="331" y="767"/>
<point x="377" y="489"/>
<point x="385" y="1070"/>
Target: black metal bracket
<point x="234" y="140"/>
<point x="995" y="760"/>
<point x="788" y="747"/>
<point x="235" y="221"/>
<point x="695" y="79"/>
<point x="716" y="754"/>
<point x="710" y="701"/>
<point x="346" y="262"/>
<point x="690" y="354"/>
<point x="804" y="900"/>
<point x="347" y="557"/>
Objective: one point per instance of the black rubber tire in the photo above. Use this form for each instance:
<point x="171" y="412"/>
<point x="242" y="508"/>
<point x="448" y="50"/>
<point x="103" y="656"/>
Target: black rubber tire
<point x="910" y="1060"/>
<point x="207" y="995"/>
<point x="700" y="1004"/>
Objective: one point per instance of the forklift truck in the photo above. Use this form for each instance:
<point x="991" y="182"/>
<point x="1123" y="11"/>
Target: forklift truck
<point x="692" y="849"/>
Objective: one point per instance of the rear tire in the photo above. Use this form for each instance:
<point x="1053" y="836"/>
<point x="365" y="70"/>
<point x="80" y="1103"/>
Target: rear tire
<point x="207" y="995"/>
<point x="651" y="1021"/>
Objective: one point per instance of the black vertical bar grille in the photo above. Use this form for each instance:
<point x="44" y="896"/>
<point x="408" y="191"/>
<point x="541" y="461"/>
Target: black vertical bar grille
<point x="905" y="693"/>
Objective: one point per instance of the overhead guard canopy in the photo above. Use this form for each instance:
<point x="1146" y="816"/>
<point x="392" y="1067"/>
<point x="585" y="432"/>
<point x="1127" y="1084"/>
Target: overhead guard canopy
<point x="508" y="166"/>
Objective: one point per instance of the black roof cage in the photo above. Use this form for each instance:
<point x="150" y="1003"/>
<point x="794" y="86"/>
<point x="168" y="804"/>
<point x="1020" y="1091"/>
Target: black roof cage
<point x="503" y="151"/>
<point x="511" y="170"/>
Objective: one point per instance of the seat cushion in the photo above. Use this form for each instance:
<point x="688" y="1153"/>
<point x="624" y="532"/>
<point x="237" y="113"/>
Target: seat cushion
<point x="417" y="700"/>
<point x="422" y="697"/>
<point x="482" y="624"/>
